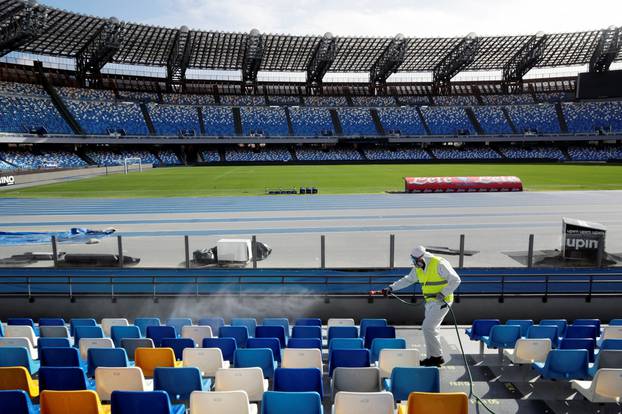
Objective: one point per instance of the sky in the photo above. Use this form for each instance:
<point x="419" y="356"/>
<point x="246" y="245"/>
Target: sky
<point x="413" y="18"/>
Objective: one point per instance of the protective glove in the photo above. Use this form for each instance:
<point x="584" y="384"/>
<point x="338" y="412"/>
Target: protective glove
<point x="386" y="291"/>
<point x="440" y="298"/>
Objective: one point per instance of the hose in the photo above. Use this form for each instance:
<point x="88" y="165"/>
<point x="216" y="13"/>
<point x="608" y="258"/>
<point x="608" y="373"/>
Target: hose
<point x="464" y="358"/>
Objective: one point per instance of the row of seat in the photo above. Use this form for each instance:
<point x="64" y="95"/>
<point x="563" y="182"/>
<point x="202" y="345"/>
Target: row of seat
<point x="274" y="402"/>
<point x="559" y="351"/>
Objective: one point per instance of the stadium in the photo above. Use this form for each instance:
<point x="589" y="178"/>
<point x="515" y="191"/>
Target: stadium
<point x="204" y="221"/>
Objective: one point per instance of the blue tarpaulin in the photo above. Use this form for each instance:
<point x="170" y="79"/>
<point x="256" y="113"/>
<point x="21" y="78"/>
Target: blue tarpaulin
<point x="74" y="235"/>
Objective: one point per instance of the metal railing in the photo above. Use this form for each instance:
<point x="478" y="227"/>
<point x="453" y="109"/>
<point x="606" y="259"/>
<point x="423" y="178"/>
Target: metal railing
<point x="156" y="283"/>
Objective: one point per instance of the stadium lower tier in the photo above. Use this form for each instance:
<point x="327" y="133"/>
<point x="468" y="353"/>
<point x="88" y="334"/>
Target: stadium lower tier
<point x="28" y="108"/>
<point x="35" y="157"/>
<point x="208" y="365"/>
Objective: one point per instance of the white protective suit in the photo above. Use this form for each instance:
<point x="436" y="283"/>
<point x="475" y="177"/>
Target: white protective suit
<point x="434" y="310"/>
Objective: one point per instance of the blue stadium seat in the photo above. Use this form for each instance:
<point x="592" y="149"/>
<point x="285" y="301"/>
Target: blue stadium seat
<point x="86" y="332"/>
<point x="502" y="336"/>
<point x="308" y="322"/>
<point x="173" y="119"/>
<point x="73" y="323"/>
<point x="373" y="332"/>
<point x="611" y="344"/>
<point x="370" y="322"/>
<point x="564" y="364"/>
<point x="298" y="380"/>
<point x="595" y="322"/>
<point x="544" y="332"/>
<point x="214" y="323"/>
<point x="276" y="402"/>
<point x="105" y="357"/>
<point x="342" y="332"/>
<point x="143" y="323"/>
<point x="536" y="119"/>
<point x="581" y="331"/>
<point x="579" y="343"/>
<point x="272" y="343"/>
<point x="255" y="357"/>
<point x="312" y="122"/>
<point x="481" y="327"/>
<point x="405" y="380"/>
<point x="379" y="344"/>
<point x="307" y="332"/>
<point x="239" y="333"/>
<point x="178" y="324"/>
<point x="304" y="343"/>
<point x="53" y="342"/>
<point x="250" y="323"/>
<point x="59" y="357"/>
<point x="178" y="345"/>
<point x="51" y="322"/>
<point x="152" y="402"/>
<point x="218" y="121"/>
<point x="284" y="322"/>
<point x="21" y="322"/>
<point x="101" y="117"/>
<point x="19" y="357"/>
<point x="62" y="379"/>
<point x="117" y="333"/>
<point x="560" y="323"/>
<point x="16" y="402"/>
<point x="357" y="121"/>
<point x="277" y="332"/>
<point x="157" y="333"/>
<point x="523" y="323"/>
<point x="615" y="322"/>
<point x="346" y="343"/>
<point x="226" y="345"/>
<point x="179" y="383"/>
<point x="348" y="358"/>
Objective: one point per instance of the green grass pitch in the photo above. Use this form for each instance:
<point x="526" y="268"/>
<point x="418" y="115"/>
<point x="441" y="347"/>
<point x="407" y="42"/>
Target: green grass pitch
<point x="330" y="179"/>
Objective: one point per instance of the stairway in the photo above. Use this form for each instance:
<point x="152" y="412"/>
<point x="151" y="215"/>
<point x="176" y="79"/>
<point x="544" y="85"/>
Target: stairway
<point x="336" y="122"/>
<point x="58" y="102"/>
<point x="423" y="121"/>
<point x="376" y="118"/>
<point x="148" y="121"/>
<point x="563" y="126"/>
<point x="290" y="128"/>
<point x="237" y="121"/>
<point x="506" y="114"/>
<point x="201" y="120"/>
<point x="471" y="114"/>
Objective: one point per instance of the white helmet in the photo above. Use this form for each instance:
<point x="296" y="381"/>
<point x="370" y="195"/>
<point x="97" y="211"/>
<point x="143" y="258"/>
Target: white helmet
<point x="417" y="252"/>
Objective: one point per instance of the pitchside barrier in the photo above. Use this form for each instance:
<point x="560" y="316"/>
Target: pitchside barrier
<point x="462" y="184"/>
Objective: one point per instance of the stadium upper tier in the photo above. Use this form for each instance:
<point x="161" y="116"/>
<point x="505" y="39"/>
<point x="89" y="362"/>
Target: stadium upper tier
<point x="66" y="34"/>
<point x="26" y="108"/>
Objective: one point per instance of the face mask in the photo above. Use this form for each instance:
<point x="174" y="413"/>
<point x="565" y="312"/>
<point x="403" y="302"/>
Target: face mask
<point x="417" y="262"/>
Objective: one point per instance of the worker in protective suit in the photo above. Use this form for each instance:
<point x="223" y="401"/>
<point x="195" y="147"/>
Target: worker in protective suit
<point x="438" y="282"/>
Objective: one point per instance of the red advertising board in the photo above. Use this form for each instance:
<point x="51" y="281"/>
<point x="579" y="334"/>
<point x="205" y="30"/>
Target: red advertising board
<point x="461" y="184"/>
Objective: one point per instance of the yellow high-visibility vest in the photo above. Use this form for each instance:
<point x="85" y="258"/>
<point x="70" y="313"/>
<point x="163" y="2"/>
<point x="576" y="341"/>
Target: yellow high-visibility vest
<point x="431" y="282"/>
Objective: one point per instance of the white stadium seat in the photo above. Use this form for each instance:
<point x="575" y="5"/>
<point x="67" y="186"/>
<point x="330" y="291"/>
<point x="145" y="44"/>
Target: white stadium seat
<point x="221" y="402"/>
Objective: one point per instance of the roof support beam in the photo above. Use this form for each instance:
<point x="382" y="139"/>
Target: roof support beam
<point x="253" y="53"/>
<point x="388" y="62"/>
<point x="178" y="60"/>
<point x="23" y="26"/>
<point x="528" y="56"/>
<point x="99" y="51"/>
<point x="461" y="56"/>
<point x="607" y="49"/>
<point x="320" y="62"/>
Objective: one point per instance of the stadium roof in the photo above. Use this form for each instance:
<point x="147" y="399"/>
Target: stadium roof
<point x="67" y="33"/>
